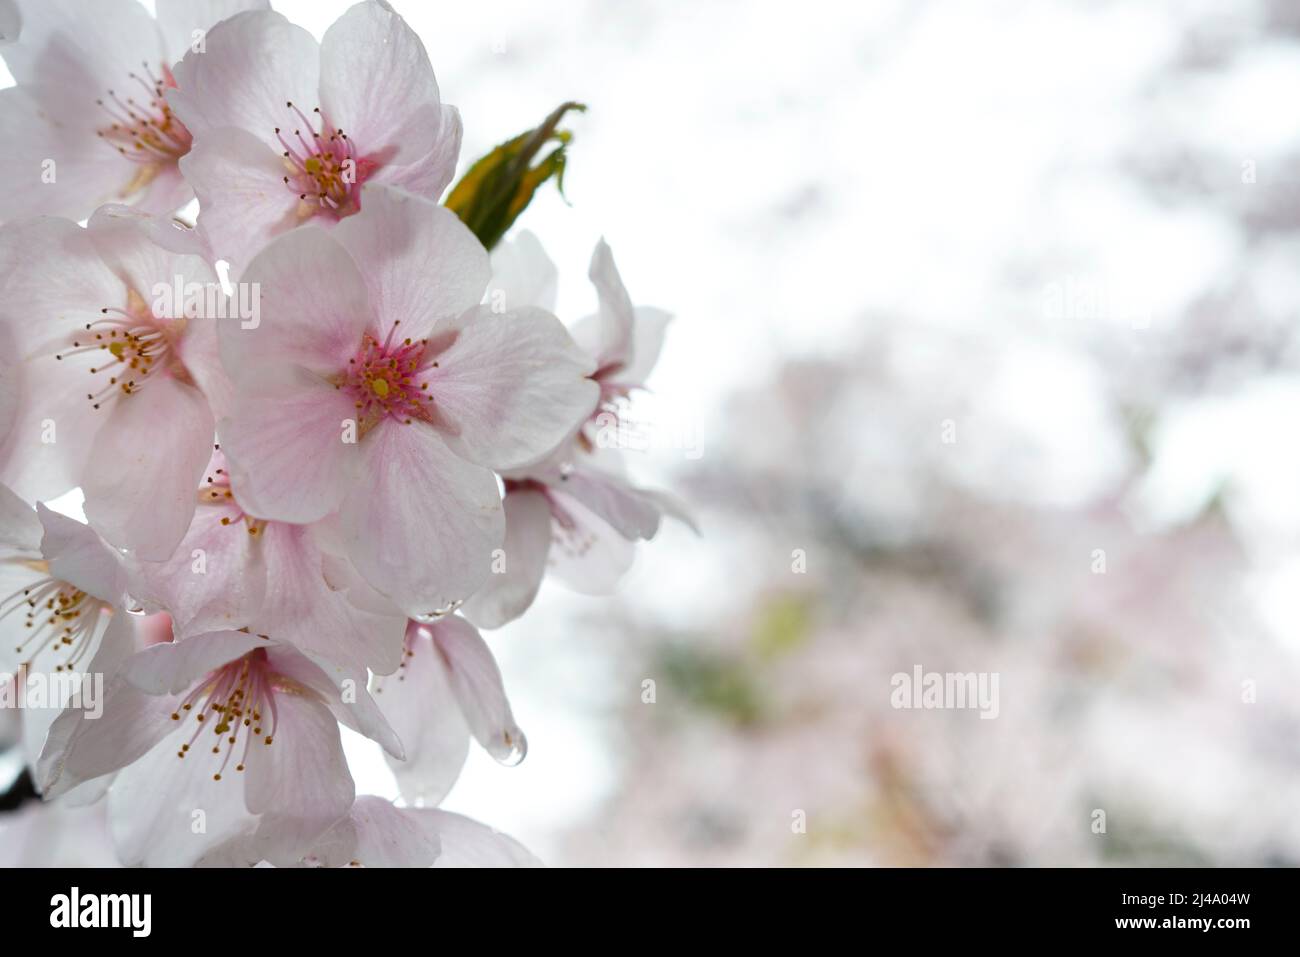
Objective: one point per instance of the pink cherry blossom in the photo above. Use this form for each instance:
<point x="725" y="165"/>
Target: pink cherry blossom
<point x="447" y="690"/>
<point x="110" y="383"/>
<point x="376" y="393"/>
<point x="90" y="99"/>
<point x="237" y="725"/>
<point x="234" y="570"/>
<point x="575" y="511"/>
<point x="62" y="590"/>
<point x="288" y="131"/>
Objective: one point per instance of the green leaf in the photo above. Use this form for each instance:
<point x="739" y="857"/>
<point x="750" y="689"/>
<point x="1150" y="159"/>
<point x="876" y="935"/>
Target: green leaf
<point x="498" y="187"/>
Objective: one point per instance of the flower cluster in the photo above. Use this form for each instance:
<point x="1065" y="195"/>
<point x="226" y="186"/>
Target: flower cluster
<point x="329" y="431"/>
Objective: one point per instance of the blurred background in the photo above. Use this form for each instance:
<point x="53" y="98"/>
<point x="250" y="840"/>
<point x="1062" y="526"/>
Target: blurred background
<point x="983" y="361"/>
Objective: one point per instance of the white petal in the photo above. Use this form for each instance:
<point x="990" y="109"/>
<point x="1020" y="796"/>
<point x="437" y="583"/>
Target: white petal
<point x="507" y="594"/>
<point x="476" y="681"/>
<point x="421" y="523"/>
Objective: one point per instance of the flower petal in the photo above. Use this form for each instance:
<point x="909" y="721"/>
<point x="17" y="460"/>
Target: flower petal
<point x="522" y="275"/>
<point x="155" y="804"/>
<point x="300" y="783"/>
<point x="420" y="262"/>
<point x="377" y="85"/>
<point x="377" y="834"/>
<point x="313" y="310"/>
<point x="287" y="448"/>
<point x="476" y="681"/>
<point x="421" y="707"/>
<point x="244" y="202"/>
<point x="254" y="63"/>
<point x="511" y="387"/>
<point x="421" y="524"/>
<point x="78" y="556"/>
<point x="467" y="843"/>
<point x="20" y="529"/>
<point x="145" y="465"/>
<point x="302" y="610"/>
<point x="179" y="20"/>
<point x="608" y="337"/>
<point x="508" y="593"/>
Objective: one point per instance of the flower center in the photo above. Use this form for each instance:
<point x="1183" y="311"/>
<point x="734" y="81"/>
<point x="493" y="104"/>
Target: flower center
<point x="144" y="129"/>
<point x="322" y="167"/>
<point x="234" y="701"/>
<point x="138" y="344"/>
<point x="386" y="380"/>
<point x="216" y="491"/>
<point x="59" y="617"/>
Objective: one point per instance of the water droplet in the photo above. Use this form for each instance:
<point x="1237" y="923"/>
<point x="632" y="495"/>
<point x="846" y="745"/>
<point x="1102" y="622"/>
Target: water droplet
<point x="516" y="748"/>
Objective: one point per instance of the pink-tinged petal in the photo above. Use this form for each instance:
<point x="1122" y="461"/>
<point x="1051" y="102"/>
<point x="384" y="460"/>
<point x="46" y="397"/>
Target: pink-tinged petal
<point x="288" y="448"/>
<point x="630" y="512"/>
<point x="80" y="47"/>
<point x="376" y="834"/>
<point x="215" y="581"/>
<point x="80" y="557"/>
<point x="431" y="173"/>
<point x="144" y="251"/>
<point x="420" y="262"/>
<point x="377" y="85"/>
<point x="608" y="337"/>
<point x="145" y="465"/>
<point x="244" y="202"/>
<point x="302" y="610"/>
<point x="648" y="337"/>
<point x="476" y="682"/>
<point x="300" y="783"/>
<point x="86" y="173"/>
<point x="171" y="668"/>
<point x="313" y="311"/>
<point x="156" y="804"/>
<point x="20" y="529"/>
<point x="510" y="387"/>
<point x="467" y="843"/>
<point x="510" y="590"/>
<point x="179" y="20"/>
<point x="522" y="275"/>
<point x="421" y="523"/>
<point x="80" y="748"/>
<point x="200" y="354"/>
<point x="342" y="691"/>
<point x="587" y="553"/>
<point x="52" y="282"/>
<point x="165" y="193"/>
<point x="50" y="436"/>
<point x="255" y="63"/>
<point x="419" y="703"/>
<point x="114" y="642"/>
<point x="11" y="378"/>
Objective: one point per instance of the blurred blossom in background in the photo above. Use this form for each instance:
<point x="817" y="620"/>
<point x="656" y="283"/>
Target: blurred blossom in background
<point x="983" y="362"/>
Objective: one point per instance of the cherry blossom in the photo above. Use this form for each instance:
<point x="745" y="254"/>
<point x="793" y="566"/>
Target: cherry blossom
<point x="232" y="723"/>
<point x="447" y="690"/>
<point x="575" y="511"/>
<point x="234" y="570"/>
<point x="376" y="392"/>
<point x="110" y="380"/>
<point x="288" y="131"/>
<point x="88" y="121"/>
<point x="62" y="589"/>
